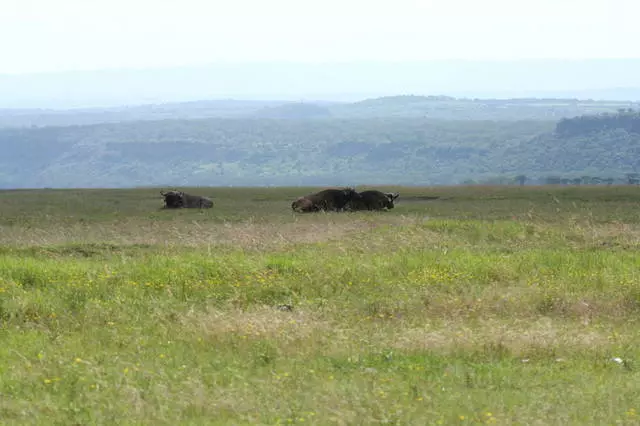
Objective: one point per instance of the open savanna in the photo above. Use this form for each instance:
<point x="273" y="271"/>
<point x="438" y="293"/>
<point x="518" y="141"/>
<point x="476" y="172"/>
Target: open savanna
<point x="463" y="305"/>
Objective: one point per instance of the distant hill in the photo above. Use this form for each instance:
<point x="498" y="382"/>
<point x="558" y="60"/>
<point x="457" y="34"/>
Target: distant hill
<point x="223" y="108"/>
<point x="316" y="151"/>
<point x="436" y="107"/>
<point x="447" y="107"/>
<point x="614" y="79"/>
<point x="292" y="111"/>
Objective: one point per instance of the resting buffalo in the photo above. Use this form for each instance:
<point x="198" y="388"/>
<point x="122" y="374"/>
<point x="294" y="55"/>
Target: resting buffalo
<point x="173" y="199"/>
<point x="304" y="205"/>
<point x="179" y="199"/>
<point x="328" y="199"/>
<point x="374" y="200"/>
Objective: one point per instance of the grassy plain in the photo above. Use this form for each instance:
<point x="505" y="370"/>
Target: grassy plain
<point x="488" y="305"/>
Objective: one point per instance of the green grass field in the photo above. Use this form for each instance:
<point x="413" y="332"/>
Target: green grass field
<point x="488" y="305"/>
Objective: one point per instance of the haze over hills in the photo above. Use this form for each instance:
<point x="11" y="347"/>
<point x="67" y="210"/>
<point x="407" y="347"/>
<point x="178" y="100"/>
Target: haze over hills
<point x="433" y="107"/>
<point x="326" y="151"/>
<point x="311" y="124"/>
<point x="612" y="79"/>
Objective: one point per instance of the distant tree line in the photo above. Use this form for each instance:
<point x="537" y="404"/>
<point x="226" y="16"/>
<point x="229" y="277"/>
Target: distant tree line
<point x="628" y="179"/>
<point x="626" y="119"/>
<point x="583" y="180"/>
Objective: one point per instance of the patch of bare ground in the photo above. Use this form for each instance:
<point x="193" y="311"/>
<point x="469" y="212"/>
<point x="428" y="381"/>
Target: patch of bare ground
<point x="245" y="235"/>
<point x="529" y="304"/>
<point x="608" y="235"/>
<point x="520" y="338"/>
<point x="249" y="235"/>
<point x="261" y="322"/>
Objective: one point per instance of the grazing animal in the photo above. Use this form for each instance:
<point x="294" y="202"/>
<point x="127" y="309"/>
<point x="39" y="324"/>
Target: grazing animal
<point x="180" y="199"/>
<point x="328" y="199"/>
<point x="374" y="200"/>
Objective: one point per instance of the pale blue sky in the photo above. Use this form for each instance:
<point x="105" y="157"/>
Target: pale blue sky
<point x="58" y="35"/>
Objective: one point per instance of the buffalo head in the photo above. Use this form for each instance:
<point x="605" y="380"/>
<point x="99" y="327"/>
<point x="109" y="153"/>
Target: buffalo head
<point x="391" y="196"/>
<point x="173" y="199"/>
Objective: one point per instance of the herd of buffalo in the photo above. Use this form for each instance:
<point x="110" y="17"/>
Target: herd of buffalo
<point x="345" y="199"/>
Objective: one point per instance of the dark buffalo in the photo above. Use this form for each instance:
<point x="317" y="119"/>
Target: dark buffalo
<point x="173" y="199"/>
<point x="374" y="200"/>
<point x="328" y="199"/>
<point x="179" y="199"/>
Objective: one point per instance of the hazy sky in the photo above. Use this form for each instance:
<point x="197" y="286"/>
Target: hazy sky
<point x="47" y="35"/>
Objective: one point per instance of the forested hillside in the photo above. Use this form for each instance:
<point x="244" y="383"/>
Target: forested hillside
<point x="252" y="152"/>
<point x="318" y="151"/>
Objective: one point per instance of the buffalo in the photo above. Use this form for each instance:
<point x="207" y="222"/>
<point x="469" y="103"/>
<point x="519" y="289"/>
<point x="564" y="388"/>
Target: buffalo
<point x="328" y="199"/>
<point x="180" y="199"/>
<point x="374" y="200"/>
<point x="173" y="199"/>
<point x="304" y="205"/>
